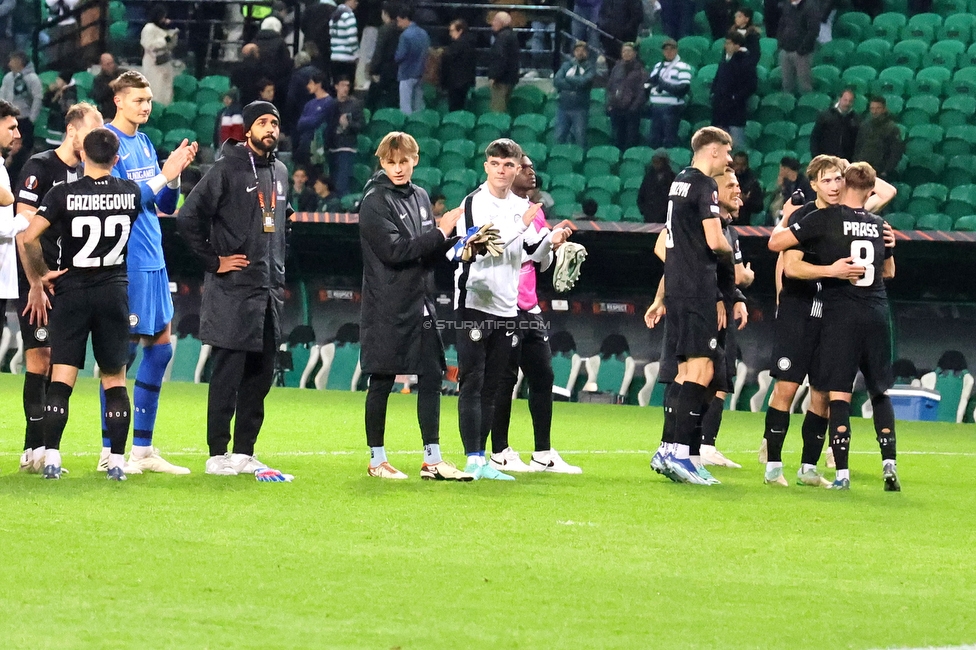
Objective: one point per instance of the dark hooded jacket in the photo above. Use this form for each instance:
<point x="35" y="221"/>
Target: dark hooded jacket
<point x="401" y="245"/>
<point x="222" y="217"/>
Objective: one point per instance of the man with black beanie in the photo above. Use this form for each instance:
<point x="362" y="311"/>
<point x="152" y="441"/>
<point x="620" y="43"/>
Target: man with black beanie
<point x="235" y="220"/>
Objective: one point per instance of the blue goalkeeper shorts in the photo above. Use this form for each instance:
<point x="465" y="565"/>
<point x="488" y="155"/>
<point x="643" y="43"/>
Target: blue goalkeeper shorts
<point x="150" y="302"/>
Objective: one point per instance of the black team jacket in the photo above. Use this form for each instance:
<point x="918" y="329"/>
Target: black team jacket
<point x="222" y="217"/>
<point x="401" y="245"/>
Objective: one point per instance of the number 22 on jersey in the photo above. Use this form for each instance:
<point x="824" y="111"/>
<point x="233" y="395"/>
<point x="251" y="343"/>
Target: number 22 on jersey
<point x="117" y="225"/>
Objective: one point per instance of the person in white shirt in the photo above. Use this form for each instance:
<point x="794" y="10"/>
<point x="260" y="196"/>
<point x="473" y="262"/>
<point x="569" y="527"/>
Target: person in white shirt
<point x="10" y="225"/>
<point x="486" y="296"/>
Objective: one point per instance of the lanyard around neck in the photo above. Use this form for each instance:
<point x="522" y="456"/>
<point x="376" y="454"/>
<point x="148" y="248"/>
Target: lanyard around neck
<point x="274" y="198"/>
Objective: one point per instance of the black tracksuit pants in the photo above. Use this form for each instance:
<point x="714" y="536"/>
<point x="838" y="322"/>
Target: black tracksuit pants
<point x="238" y="385"/>
<point x="484" y="345"/>
<point x="532" y="354"/>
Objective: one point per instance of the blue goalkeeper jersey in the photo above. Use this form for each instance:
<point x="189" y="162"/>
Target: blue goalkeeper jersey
<point x="137" y="162"/>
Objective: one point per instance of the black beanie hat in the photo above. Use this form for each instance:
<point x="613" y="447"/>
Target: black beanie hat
<point x="254" y="110"/>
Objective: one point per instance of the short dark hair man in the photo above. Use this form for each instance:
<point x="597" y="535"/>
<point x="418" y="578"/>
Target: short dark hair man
<point x="92" y="218"/>
<point x="835" y="131"/>
<point x="235" y="220"/>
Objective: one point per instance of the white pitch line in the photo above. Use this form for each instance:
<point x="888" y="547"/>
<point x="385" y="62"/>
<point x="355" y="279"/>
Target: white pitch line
<point x="572" y="452"/>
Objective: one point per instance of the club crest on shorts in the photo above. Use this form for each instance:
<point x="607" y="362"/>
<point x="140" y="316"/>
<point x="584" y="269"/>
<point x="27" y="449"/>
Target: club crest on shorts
<point x="784" y="364"/>
<point x="475" y="335"/>
<point x="41" y="334"/>
<point x="712" y="344"/>
<point x="133" y="320"/>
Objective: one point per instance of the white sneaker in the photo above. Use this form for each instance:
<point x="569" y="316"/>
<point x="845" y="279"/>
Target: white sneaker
<point x="550" y="461"/>
<point x="762" y="452"/>
<point x="152" y="463"/>
<point x="830" y="458"/>
<point x="712" y="456"/>
<point x="220" y="466"/>
<point x="245" y="464"/>
<point x="103" y="455"/>
<point x="508" y="461"/>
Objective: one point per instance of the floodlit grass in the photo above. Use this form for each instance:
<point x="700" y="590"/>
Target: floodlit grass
<point x="616" y="558"/>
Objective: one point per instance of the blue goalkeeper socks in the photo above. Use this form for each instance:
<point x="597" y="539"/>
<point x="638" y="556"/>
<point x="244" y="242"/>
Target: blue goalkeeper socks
<point x="145" y="396"/>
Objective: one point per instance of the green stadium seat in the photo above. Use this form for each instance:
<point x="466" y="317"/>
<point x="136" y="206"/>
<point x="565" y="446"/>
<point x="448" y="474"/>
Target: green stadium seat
<point x="634" y="162"/>
<point x="204" y="122"/>
<point x="601" y="160"/>
<point x="960" y="170"/>
<point x="361" y="173"/>
<point x="777" y="135"/>
<point x="934" y="222"/>
<point x="536" y="151"/>
<point x="909" y="53"/>
<point x="962" y="201"/>
<point x="491" y="126"/>
<point x="923" y="138"/>
<point x="928" y="198"/>
<point x="893" y="80"/>
<point x="219" y="82"/>
<point x="965" y="224"/>
<point x="889" y="25"/>
<point x="958" y="26"/>
<point x="895" y="103"/>
<point x="809" y="107"/>
<point x="924" y="168"/>
<point x="384" y="121"/>
<point x="901" y="221"/>
<point x="852" y="25"/>
<point x="874" y="52"/>
<point x="900" y="202"/>
<point x="602" y="189"/>
<point x="920" y="109"/>
<point x="570" y="152"/>
<point x="428" y="178"/>
<point x="155" y="135"/>
<point x="455" y="154"/>
<point x="680" y="157"/>
<point x="772" y="81"/>
<point x="775" y="107"/>
<point x="609" y="212"/>
<point x="837" y="52"/>
<point x="563" y="195"/>
<point x="566" y="210"/>
<point x="633" y="214"/>
<point x="173" y="138"/>
<point x="774" y="157"/>
<point x="466" y="177"/>
<point x="116" y="11"/>
<point x="204" y="95"/>
<point x="701" y="85"/>
<point x="826" y="79"/>
<point x="699" y="43"/>
<point x="84" y="81"/>
<point x="959" y="140"/>
<point x="454" y="193"/>
<point x="184" y="88"/>
<point x="859" y="77"/>
<point x="529" y="127"/>
<point x="456" y="125"/>
<point x="946" y="8"/>
<point x="422" y="124"/>
<point x="957" y="110"/>
<point x="963" y="82"/>
<point x="571" y="181"/>
<point x="945" y="54"/>
<point x="650" y="49"/>
<point x="430" y="149"/>
<point x="526" y="98"/>
<point x="931" y="80"/>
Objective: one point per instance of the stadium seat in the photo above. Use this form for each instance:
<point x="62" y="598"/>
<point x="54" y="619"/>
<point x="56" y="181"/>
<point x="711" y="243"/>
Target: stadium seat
<point x="928" y="198"/>
<point x="634" y="162"/>
<point x="959" y="140"/>
<point x="945" y="54"/>
<point x="361" y="173"/>
<point x="602" y="189"/>
<point x="612" y="374"/>
<point x="84" y="81"/>
<point x="454" y="193"/>
<point x="874" y="52"/>
<point x="701" y="85"/>
<point x="466" y="177"/>
<point x="963" y="82"/>
<point x="571" y="152"/>
<point x="947" y="8"/>
<point x="383" y="121"/>
<point x="889" y="25"/>
<point x="430" y="149"/>
<point x="601" y="161"/>
<point x="155" y="135"/>
<point x="422" y="124"/>
<point x="934" y="222"/>
<point x="172" y="139"/>
<point x="350" y="202"/>
<point x="699" y="43"/>
<point x="920" y="109"/>
<point x="491" y="126"/>
<point x="455" y="154"/>
<point x="777" y="135"/>
<point x="923" y="138"/>
<point x="632" y="214"/>
<point x="563" y="195"/>
<point x="809" y="107"/>
<point x="184" y="88"/>
<point x="571" y="181"/>
<point x="901" y="221"/>
<point x="962" y="201"/>
<point x="960" y="170"/>
<point x="965" y="224"/>
<point x="909" y="53"/>
<point x="859" y="77"/>
<point x="826" y="79"/>
<point x="680" y="157"/>
<point x="456" y="125"/>
<point x="428" y="178"/>
<point x="931" y="80"/>
<point x="204" y="122"/>
<point x="608" y="211"/>
<point x="893" y="80"/>
<point x="218" y="82"/>
<point x="852" y="25"/>
<point x="526" y="98"/>
<point x="836" y="53"/>
<point x="775" y="107"/>
<point x="529" y="127"/>
<point x="957" y="110"/>
<point x="566" y="210"/>
<point x="650" y="49"/>
<point x="178" y="115"/>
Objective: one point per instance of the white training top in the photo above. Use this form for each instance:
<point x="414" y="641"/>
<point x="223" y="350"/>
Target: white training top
<point x="9" y="227"/>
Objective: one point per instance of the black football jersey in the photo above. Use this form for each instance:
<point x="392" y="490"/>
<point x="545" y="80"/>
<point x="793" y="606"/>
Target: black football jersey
<point x="91" y="220"/>
<point x="802" y="289"/>
<point x="838" y="232"/>
<point x="689" y="268"/>
<point x="40" y="173"/>
<point x="725" y="269"/>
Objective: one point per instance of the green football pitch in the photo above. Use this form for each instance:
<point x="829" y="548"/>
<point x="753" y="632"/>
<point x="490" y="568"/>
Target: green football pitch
<point x="616" y="558"/>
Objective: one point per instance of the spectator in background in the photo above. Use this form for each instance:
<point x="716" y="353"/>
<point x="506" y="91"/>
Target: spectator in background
<point x="22" y="88"/>
<point x="753" y="199"/>
<point x="246" y="73"/>
<point x="383" y="92"/>
<point x="879" y="140"/>
<point x="621" y="19"/>
<point x="835" y="132"/>
<point x="266" y="90"/>
<point x="458" y="65"/>
<point x="318" y="111"/>
<point x="344" y="128"/>
<point x="230" y="120"/>
<point x="101" y="93"/>
<point x="298" y="94"/>
<point x="573" y="82"/>
<point x="735" y="82"/>
<point x="325" y="197"/>
<point x="652" y="197"/>
<point x="743" y="25"/>
<point x="677" y="17"/>
<point x="411" y="57"/>
<point x="438" y="205"/>
<point x="503" y="62"/>
<point x="275" y="60"/>
<point x="158" y="40"/>
<point x="828" y="12"/>
<point x="869" y="7"/>
<point x="344" y="35"/>
<point x="668" y="86"/>
<point x="58" y="98"/>
<point x="590" y="10"/>
<point x="772" y="12"/>
<point x="625" y="98"/>
<point x="63" y="36"/>
<point x="791" y="179"/>
<point x="315" y="27"/>
<point x="588" y="208"/>
<point x="301" y="197"/>
<point x="799" y="27"/>
<point x="721" y="16"/>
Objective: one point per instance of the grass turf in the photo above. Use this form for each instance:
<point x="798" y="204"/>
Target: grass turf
<point x="616" y="558"/>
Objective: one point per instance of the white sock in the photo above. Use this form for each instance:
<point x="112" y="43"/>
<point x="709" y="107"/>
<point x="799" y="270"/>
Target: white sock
<point x="681" y="452"/>
<point x="709" y="448"/>
<point x="377" y="456"/>
<point x="804" y="467"/>
<point x="843" y="473"/>
<point x="116" y="460"/>
<point x="38" y="453"/>
<point x="432" y="454"/>
<point x="771" y="465"/>
<point x="52" y="457"/>
<point x="887" y="463"/>
<point x="476" y="459"/>
<point x="141" y="452"/>
<point x="696" y="460"/>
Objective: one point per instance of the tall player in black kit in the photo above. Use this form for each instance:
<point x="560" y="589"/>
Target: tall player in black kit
<point x="855" y="317"/>
<point x="42" y="172"/>
<point x="693" y="243"/>
<point x="92" y="218"/>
